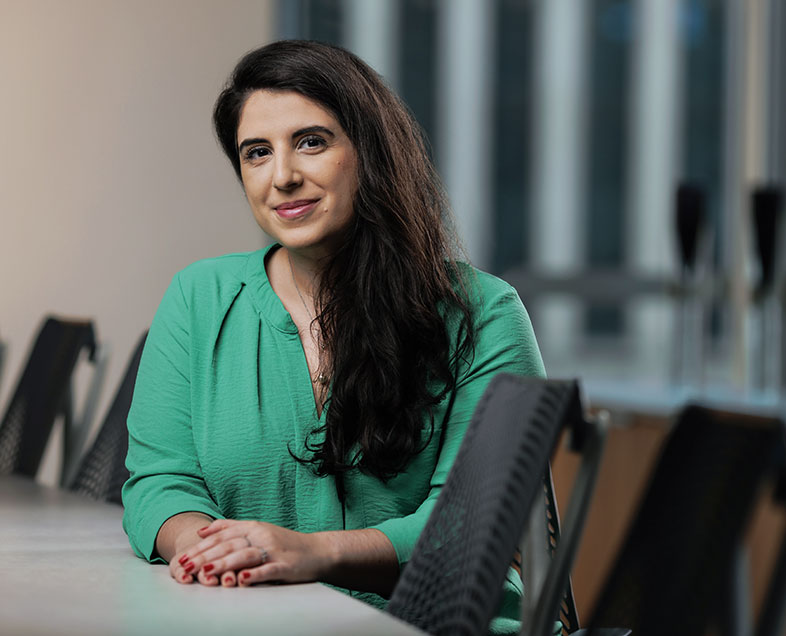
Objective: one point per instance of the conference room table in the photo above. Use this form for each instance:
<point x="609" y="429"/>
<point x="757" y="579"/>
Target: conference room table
<point x="66" y="568"/>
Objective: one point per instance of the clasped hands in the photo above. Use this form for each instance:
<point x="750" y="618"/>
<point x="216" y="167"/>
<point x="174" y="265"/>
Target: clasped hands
<point x="246" y="552"/>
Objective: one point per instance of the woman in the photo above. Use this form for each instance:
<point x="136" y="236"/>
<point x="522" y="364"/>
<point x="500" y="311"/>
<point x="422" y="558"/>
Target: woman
<point x="298" y="408"/>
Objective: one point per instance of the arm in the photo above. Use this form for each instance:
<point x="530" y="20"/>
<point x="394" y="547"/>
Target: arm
<point x="362" y="560"/>
<point x="505" y="342"/>
<point x="165" y="476"/>
<point x="248" y="552"/>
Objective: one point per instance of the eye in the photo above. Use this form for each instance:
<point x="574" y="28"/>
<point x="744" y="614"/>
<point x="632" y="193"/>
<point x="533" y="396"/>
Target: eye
<point x="311" y="143"/>
<point x="255" y="153"/>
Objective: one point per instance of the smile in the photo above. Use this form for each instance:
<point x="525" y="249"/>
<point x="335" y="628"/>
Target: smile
<point x="295" y="209"/>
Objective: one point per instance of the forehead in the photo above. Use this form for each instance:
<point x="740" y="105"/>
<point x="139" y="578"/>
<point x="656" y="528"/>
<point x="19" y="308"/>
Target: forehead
<point x="267" y="113"/>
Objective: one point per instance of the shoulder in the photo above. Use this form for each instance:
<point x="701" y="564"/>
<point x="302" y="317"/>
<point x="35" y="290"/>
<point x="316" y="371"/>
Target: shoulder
<point x="504" y="339"/>
<point x="206" y="287"/>
<point x="216" y="279"/>
<point x="226" y="268"/>
<point x="485" y="290"/>
<point x="499" y="312"/>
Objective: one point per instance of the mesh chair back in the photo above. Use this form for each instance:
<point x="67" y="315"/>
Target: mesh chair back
<point x="42" y="393"/>
<point x="453" y="582"/>
<point x="671" y="574"/>
<point x="103" y="471"/>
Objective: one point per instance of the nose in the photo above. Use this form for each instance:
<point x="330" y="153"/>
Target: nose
<point x="286" y="175"/>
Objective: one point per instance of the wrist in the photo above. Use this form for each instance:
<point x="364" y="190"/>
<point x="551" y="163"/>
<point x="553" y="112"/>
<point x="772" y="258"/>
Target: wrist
<point x="361" y="559"/>
<point x="328" y="553"/>
<point x="179" y="532"/>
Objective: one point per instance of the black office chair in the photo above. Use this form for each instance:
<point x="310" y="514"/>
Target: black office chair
<point x="103" y="471"/>
<point x="452" y="583"/>
<point x="43" y="393"/>
<point x="672" y="573"/>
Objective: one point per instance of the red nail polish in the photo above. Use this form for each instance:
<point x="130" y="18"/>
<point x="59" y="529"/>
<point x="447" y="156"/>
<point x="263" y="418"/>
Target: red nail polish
<point x="207" y="568"/>
<point x="203" y="529"/>
<point x="188" y="566"/>
<point x="228" y="580"/>
<point x="245" y="575"/>
<point x="183" y="559"/>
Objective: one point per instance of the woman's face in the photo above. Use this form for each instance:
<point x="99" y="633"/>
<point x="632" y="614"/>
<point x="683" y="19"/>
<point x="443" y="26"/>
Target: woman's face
<point x="299" y="171"/>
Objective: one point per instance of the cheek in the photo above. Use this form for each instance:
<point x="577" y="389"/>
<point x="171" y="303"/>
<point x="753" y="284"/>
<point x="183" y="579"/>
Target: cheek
<point x="255" y="189"/>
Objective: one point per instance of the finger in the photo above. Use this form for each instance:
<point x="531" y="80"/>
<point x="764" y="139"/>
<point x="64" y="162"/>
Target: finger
<point x="178" y="572"/>
<point x="180" y="575"/>
<point x="228" y="579"/>
<point x="246" y="558"/>
<point x="207" y="579"/>
<point x="215" y="526"/>
<point x="199" y="550"/>
<point x="266" y="573"/>
<point x="217" y="538"/>
<point x="219" y="556"/>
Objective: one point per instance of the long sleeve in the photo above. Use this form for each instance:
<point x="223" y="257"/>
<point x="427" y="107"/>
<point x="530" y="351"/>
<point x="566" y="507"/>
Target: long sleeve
<point x="166" y="477"/>
<point x="505" y="342"/>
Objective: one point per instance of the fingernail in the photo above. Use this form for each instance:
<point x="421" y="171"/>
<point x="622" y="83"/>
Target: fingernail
<point x="203" y="529"/>
<point x="183" y="559"/>
<point x="207" y="568"/>
<point x="228" y="580"/>
<point x="245" y="575"/>
<point x="188" y="566"/>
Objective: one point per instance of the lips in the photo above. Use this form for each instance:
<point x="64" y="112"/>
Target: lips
<point x="295" y="209"/>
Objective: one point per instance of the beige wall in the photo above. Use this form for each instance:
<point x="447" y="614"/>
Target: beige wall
<point x="110" y="177"/>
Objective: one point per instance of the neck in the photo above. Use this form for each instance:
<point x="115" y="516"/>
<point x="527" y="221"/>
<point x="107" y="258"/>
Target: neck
<point x="305" y="273"/>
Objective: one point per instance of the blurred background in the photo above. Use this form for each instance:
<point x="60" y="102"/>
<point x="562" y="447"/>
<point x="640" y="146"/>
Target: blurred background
<point x="564" y="130"/>
<point x="574" y="137"/>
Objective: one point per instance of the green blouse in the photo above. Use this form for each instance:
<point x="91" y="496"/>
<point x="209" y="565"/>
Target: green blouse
<point x="223" y="393"/>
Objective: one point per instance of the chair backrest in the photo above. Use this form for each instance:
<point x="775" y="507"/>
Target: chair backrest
<point x="43" y="392"/>
<point x="672" y="573"/>
<point x="453" y="582"/>
<point x="103" y="472"/>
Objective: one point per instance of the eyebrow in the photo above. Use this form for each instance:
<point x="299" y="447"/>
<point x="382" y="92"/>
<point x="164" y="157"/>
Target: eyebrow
<point x="298" y="133"/>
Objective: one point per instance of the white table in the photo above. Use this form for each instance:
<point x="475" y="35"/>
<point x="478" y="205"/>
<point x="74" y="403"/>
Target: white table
<point x="66" y="568"/>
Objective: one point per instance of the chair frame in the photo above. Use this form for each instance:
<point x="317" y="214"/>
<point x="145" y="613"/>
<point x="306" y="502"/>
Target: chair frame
<point x="539" y="611"/>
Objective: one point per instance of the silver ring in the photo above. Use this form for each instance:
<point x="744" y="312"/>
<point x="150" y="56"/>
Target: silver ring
<point x="263" y="555"/>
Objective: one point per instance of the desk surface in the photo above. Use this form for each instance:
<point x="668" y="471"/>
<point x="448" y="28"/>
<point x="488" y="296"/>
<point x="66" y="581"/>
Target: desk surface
<point x="66" y="568"/>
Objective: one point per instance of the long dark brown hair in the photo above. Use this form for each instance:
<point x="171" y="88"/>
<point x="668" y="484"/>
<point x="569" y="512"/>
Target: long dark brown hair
<point x="388" y="294"/>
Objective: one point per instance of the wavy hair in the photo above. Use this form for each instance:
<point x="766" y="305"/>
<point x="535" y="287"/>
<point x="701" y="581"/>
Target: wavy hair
<point x="388" y="295"/>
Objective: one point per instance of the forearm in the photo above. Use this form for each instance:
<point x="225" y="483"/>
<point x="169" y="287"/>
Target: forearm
<point x="179" y="532"/>
<point x="361" y="560"/>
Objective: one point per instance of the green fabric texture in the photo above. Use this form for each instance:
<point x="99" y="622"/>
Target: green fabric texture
<point x="223" y="393"/>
